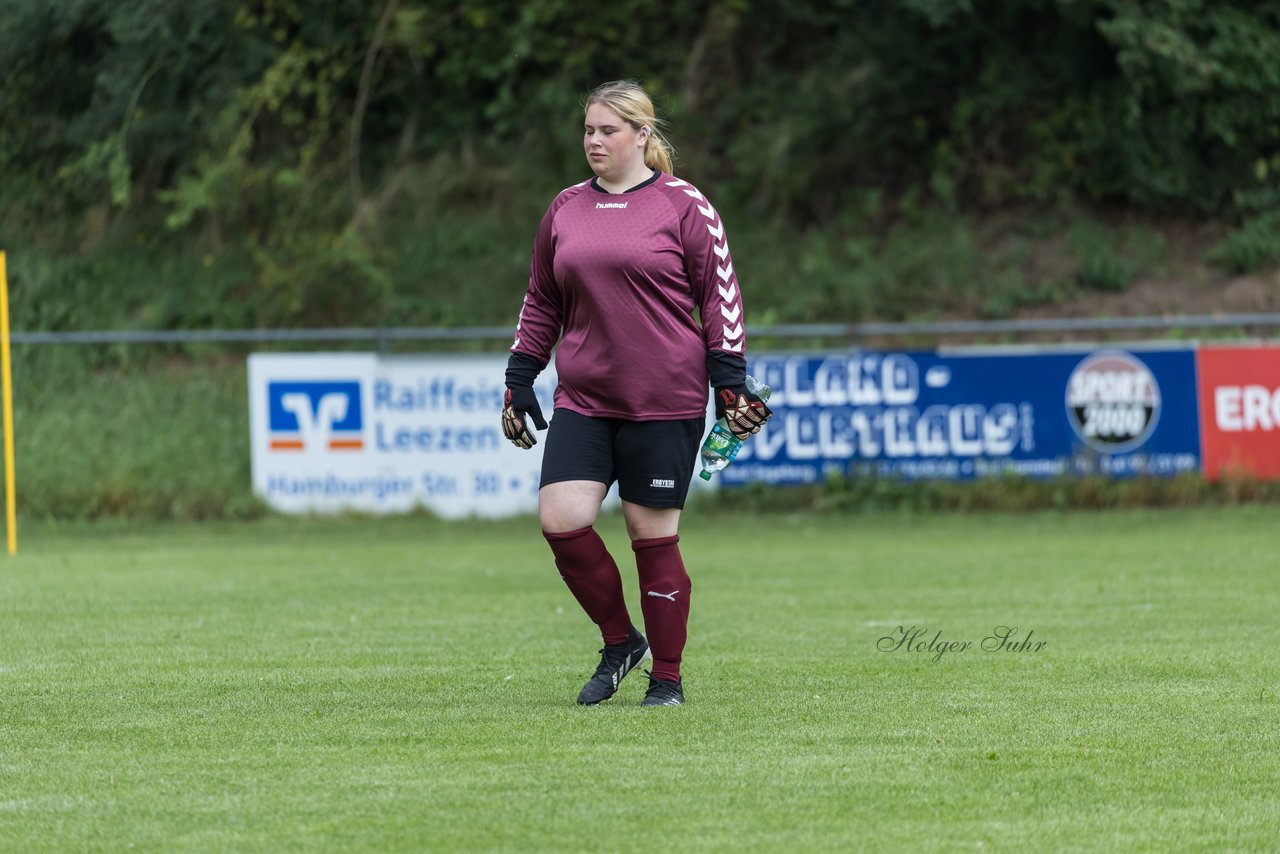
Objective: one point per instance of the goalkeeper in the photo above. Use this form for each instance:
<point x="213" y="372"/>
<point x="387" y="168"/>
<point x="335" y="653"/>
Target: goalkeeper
<point x="620" y="264"/>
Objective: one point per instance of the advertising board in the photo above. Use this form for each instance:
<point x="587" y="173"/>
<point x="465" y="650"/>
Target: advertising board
<point x="333" y="431"/>
<point x="1240" y="410"/>
<point x="959" y="416"/>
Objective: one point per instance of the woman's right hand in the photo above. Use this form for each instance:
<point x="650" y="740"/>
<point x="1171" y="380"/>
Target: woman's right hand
<point x="518" y="402"/>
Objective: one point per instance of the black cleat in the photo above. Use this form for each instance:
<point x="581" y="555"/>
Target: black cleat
<point x="663" y="693"/>
<point x="615" y="662"/>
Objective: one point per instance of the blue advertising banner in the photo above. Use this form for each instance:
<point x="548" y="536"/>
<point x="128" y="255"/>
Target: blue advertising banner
<point x="959" y="416"/>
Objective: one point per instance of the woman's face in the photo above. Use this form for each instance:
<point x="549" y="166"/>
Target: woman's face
<point x="613" y="147"/>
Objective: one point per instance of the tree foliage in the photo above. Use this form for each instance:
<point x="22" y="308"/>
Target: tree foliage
<point x="295" y="135"/>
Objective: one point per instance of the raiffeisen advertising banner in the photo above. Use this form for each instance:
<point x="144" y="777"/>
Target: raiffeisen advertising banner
<point x="973" y="414"/>
<point x="334" y="432"/>
<point x="1240" y="410"/>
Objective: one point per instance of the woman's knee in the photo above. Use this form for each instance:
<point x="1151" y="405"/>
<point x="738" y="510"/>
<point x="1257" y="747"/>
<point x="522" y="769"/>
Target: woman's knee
<point x="570" y="505"/>
<point x="647" y="523"/>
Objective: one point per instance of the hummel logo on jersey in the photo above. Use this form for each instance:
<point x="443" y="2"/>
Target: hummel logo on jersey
<point x="606" y="205"/>
<point x="660" y="483"/>
<point x="671" y="596"/>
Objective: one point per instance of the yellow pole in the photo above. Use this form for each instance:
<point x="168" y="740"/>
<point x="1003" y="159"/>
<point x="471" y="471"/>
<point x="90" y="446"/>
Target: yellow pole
<point x="11" y="510"/>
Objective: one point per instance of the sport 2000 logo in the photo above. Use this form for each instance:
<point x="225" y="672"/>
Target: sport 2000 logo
<point x="1113" y="401"/>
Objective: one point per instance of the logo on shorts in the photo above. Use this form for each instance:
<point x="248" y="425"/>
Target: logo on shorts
<point x="659" y="483"/>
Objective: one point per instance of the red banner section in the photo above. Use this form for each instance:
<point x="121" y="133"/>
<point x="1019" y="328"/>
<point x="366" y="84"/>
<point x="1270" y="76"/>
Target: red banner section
<point x="1240" y="411"/>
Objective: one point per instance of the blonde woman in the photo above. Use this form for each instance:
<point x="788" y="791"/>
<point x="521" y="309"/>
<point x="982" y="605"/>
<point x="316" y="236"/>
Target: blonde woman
<point x="620" y="264"/>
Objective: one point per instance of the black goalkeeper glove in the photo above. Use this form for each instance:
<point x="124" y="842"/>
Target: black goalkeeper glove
<point x="517" y="403"/>
<point x="520" y="400"/>
<point x="744" y="412"/>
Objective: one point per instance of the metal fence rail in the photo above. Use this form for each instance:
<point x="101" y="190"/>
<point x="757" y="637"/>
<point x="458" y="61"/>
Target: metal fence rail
<point x="383" y="337"/>
<point x="1065" y="324"/>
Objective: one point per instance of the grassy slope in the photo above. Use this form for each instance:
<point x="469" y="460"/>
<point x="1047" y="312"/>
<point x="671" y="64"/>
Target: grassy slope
<point x="406" y="685"/>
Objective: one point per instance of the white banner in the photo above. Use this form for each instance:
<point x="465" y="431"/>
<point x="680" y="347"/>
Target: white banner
<point x="336" y="431"/>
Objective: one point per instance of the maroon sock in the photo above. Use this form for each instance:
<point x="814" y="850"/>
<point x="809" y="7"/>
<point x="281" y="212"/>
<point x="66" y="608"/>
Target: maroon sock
<point x="664" y="599"/>
<point x="592" y="575"/>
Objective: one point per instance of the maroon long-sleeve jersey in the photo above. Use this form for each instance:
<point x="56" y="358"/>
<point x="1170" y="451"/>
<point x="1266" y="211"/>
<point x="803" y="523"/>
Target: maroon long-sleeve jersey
<point x="619" y="276"/>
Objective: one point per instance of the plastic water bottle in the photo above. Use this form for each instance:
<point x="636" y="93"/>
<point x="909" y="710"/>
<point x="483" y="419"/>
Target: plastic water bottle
<point x="721" y="446"/>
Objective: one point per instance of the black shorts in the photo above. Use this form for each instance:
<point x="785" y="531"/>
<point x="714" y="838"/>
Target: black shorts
<point x="652" y="461"/>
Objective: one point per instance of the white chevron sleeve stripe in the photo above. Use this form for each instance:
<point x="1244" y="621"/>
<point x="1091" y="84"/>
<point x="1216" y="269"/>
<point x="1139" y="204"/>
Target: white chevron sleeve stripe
<point x="730" y="309"/>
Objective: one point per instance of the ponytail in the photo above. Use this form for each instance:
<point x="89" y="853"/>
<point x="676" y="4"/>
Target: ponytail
<point x="657" y="152"/>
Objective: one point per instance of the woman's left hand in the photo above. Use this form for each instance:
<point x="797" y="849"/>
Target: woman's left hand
<point x="744" y="412"/>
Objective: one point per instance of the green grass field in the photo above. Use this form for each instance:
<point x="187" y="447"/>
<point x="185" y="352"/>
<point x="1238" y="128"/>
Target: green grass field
<point x="409" y="685"/>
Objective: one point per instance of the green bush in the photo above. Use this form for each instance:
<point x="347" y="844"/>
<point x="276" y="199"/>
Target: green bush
<point x="1253" y="246"/>
<point x="1100" y="266"/>
<point x="1109" y="258"/>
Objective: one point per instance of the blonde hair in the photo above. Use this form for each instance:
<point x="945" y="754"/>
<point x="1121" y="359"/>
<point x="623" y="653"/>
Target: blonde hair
<point x="628" y="99"/>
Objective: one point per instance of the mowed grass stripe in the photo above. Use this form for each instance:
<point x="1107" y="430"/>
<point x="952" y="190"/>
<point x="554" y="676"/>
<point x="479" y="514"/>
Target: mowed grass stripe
<point x="408" y="684"/>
